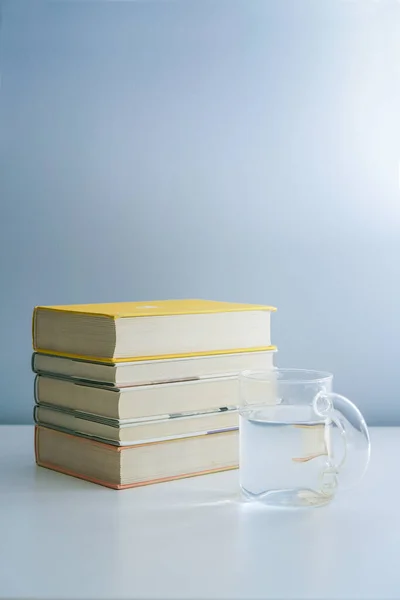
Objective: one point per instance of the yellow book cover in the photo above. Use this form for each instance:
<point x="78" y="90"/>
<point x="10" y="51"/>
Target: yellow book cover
<point x="157" y="308"/>
<point x="131" y="331"/>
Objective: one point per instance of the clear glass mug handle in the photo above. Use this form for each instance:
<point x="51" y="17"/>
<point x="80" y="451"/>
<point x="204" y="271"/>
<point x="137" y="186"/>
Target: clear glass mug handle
<point x="350" y="468"/>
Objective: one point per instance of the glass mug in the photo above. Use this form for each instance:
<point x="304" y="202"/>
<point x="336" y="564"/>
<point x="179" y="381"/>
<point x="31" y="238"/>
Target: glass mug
<point x="299" y="441"/>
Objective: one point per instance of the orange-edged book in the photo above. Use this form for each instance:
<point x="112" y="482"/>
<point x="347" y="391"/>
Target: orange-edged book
<point x="121" y="467"/>
<point x="129" y="331"/>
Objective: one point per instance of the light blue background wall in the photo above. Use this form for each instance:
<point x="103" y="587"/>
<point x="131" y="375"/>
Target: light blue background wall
<point x="243" y="150"/>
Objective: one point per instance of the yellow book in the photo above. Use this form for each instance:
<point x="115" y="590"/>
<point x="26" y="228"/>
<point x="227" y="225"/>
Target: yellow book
<point x="128" y="331"/>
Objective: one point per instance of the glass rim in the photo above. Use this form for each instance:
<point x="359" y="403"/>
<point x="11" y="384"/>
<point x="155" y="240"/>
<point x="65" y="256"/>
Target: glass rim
<point x="299" y="375"/>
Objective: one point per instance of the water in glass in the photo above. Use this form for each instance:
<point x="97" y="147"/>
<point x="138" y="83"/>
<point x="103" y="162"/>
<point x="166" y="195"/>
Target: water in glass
<point x="286" y="455"/>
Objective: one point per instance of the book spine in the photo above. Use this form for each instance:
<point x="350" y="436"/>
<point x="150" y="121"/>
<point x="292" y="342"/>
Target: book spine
<point x="34" y="328"/>
<point x="36" y="443"/>
<point x="36" y="389"/>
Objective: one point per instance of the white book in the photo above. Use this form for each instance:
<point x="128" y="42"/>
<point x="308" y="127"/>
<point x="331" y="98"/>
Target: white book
<point x="129" y="432"/>
<point x="139" y="402"/>
<point x="153" y="371"/>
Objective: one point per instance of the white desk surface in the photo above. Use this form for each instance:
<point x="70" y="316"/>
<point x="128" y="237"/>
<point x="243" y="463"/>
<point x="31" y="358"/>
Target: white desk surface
<point x="194" y="538"/>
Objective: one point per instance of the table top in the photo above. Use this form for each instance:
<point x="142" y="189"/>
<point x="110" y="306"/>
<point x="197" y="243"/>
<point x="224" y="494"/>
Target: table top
<point x="65" y="538"/>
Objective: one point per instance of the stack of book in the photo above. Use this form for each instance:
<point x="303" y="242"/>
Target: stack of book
<point x="133" y="393"/>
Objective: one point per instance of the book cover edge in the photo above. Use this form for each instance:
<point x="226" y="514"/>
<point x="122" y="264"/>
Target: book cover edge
<point x="133" y="359"/>
<point x="224" y="307"/>
<point x="120" y="486"/>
